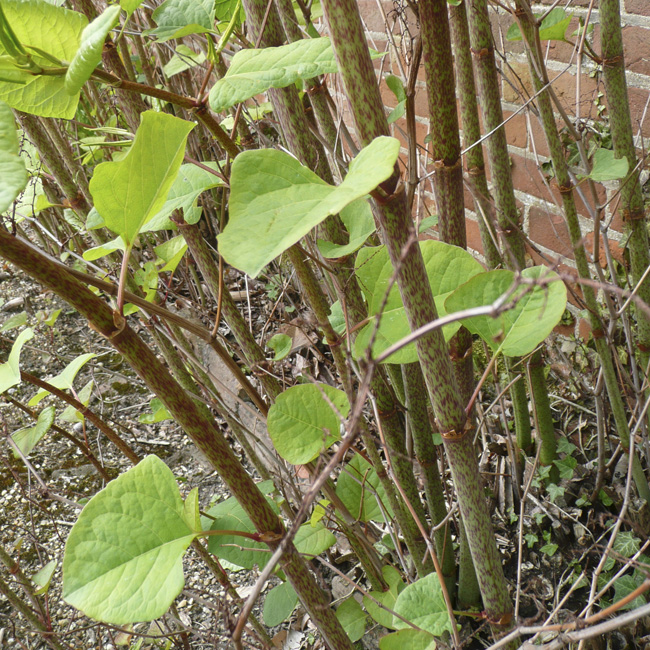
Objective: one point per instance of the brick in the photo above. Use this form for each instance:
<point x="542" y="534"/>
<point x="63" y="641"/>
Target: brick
<point x="550" y="230"/>
<point x="636" y="49"/>
<point x="640" y="110"/>
<point x="615" y="248"/>
<point x="640" y="7"/>
<point x="473" y="236"/>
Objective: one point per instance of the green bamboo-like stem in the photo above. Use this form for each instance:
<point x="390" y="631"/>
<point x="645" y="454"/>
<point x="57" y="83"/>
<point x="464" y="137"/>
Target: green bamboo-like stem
<point x="563" y="178"/>
<point x="22" y="608"/>
<point x="475" y="163"/>
<point x="508" y="216"/>
<point x="631" y="206"/>
<point x="520" y="412"/>
<point x="205" y="433"/>
<point x="53" y="161"/>
<point x="427" y="458"/>
<point x="255" y="357"/>
<point x="541" y="410"/>
<point x="399" y="235"/>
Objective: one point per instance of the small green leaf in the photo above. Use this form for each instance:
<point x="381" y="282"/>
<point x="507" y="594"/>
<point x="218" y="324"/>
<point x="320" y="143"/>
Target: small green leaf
<point x="554" y="491"/>
<point x="275" y="201"/>
<point x="279" y="603"/>
<point x="623" y="587"/>
<point x="386" y="598"/>
<point x="43" y="577"/>
<point x="408" y="639"/>
<point x="158" y="413"/>
<point x="130" y="192"/>
<point x="423" y="604"/>
<point x="553" y="27"/>
<point x="97" y="252"/>
<point x="520" y="330"/>
<point x="27" y="439"/>
<point x="130" y="5"/>
<point x="359" y="488"/>
<point x="132" y="528"/>
<point x="312" y="540"/>
<point x="428" y="222"/>
<point x="352" y="618"/>
<point x="70" y="414"/>
<point x="191" y="511"/>
<point x="183" y="59"/>
<point x="626" y="544"/>
<point x="606" y="167"/>
<point x="12" y="167"/>
<point x="89" y="54"/>
<point x="302" y="424"/>
<point x="178" y="18"/>
<point x="281" y="345"/>
<point x="566" y="467"/>
<point x="10" y="371"/>
<point x="65" y="378"/>
<point x="254" y="71"/>
<point x="320" y="510"/>
<point x="564" y="446"/>
<point x="549" y="549"/>
<point x="395" y="85"/>
<point x="17" y="320"/>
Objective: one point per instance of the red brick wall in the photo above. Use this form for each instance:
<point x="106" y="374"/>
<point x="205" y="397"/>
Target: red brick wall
<point x="542" y="216"/>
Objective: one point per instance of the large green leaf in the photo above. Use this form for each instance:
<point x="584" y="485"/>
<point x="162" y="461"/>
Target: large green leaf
<point x="238" y="550"/>
<point x="279" y="603"/>
<point x="302" y="424"/>
<point x="352" y="618"/>
<point x="553" y="27"/>
<point x="55" y="30"/>
<point x="313" y="539"/>
<point x="521" y="329"/>
<point x="408" y="639"/>
<point x="359" y="487"/>
<point x="386" y="598"/>
<point x="423" y="604"/>
<point x="10" y="371"/>
<point x="178" y="18"/>
<point x="447" y="268"/>
<point x="357" y="218"/>
<point x="27" y="439"/>
<point x="255" y="71"/>
<point x="190" y="183"/>
<point x="275" y="201"/>
<point x="130" y="192"/>
<point x="606" y="167"/>
<point x="123" y="557"/>
<point x="12" y="167"/>
<point x="89" y="54"/>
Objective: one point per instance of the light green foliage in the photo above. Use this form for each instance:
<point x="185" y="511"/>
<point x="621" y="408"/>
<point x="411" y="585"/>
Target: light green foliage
<point x="302" y="424"/>
<point x="553" y="27"/>
<point x="519" y="330"/>
<point x="97" y="252"/>
<point x="70" y="414"/>
<point x="130" y="192"/>
<point x="135" y="528"/>
<point x="423" y="604"/>
<point x="158" y="413"/>
<point x="313" y="539"/>
<point x="183" y="59"/>
<point x="275" y="201"/>
<point x="606" y="167"/>
<point x="360" y="224"/>
<point x="279" y="603"/>
<point x="54" y="30"/>
<point x="130" y="5"/>
<point x="43" y="577"/>
<point x="26" y="439"/>
<point x="352" y="618"/>
<point x="12" y="168"/>
<point x="386" y="598"/>
<point x="171" y="253"/>
<point x="190" y="182"/>
<point x="10" y="370"/>
<point x="65" y="378"/>
<point x="397" y="88"/>
<point x="240" y="551"/>
<point x="253" y="72"/>
<point x="447" y="268"/>
<point x="281" y="345"/>
<point x="178" y="18"/>
<point x="408" y="639"/>
<point x="359" y="488"/>
<point x="89" y="54"/>
<point x="17" y="320"/>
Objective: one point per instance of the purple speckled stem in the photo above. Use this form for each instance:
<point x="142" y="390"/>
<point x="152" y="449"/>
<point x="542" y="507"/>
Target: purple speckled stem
<point x="399" y="235"/>
<point x="203" y="432"/>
